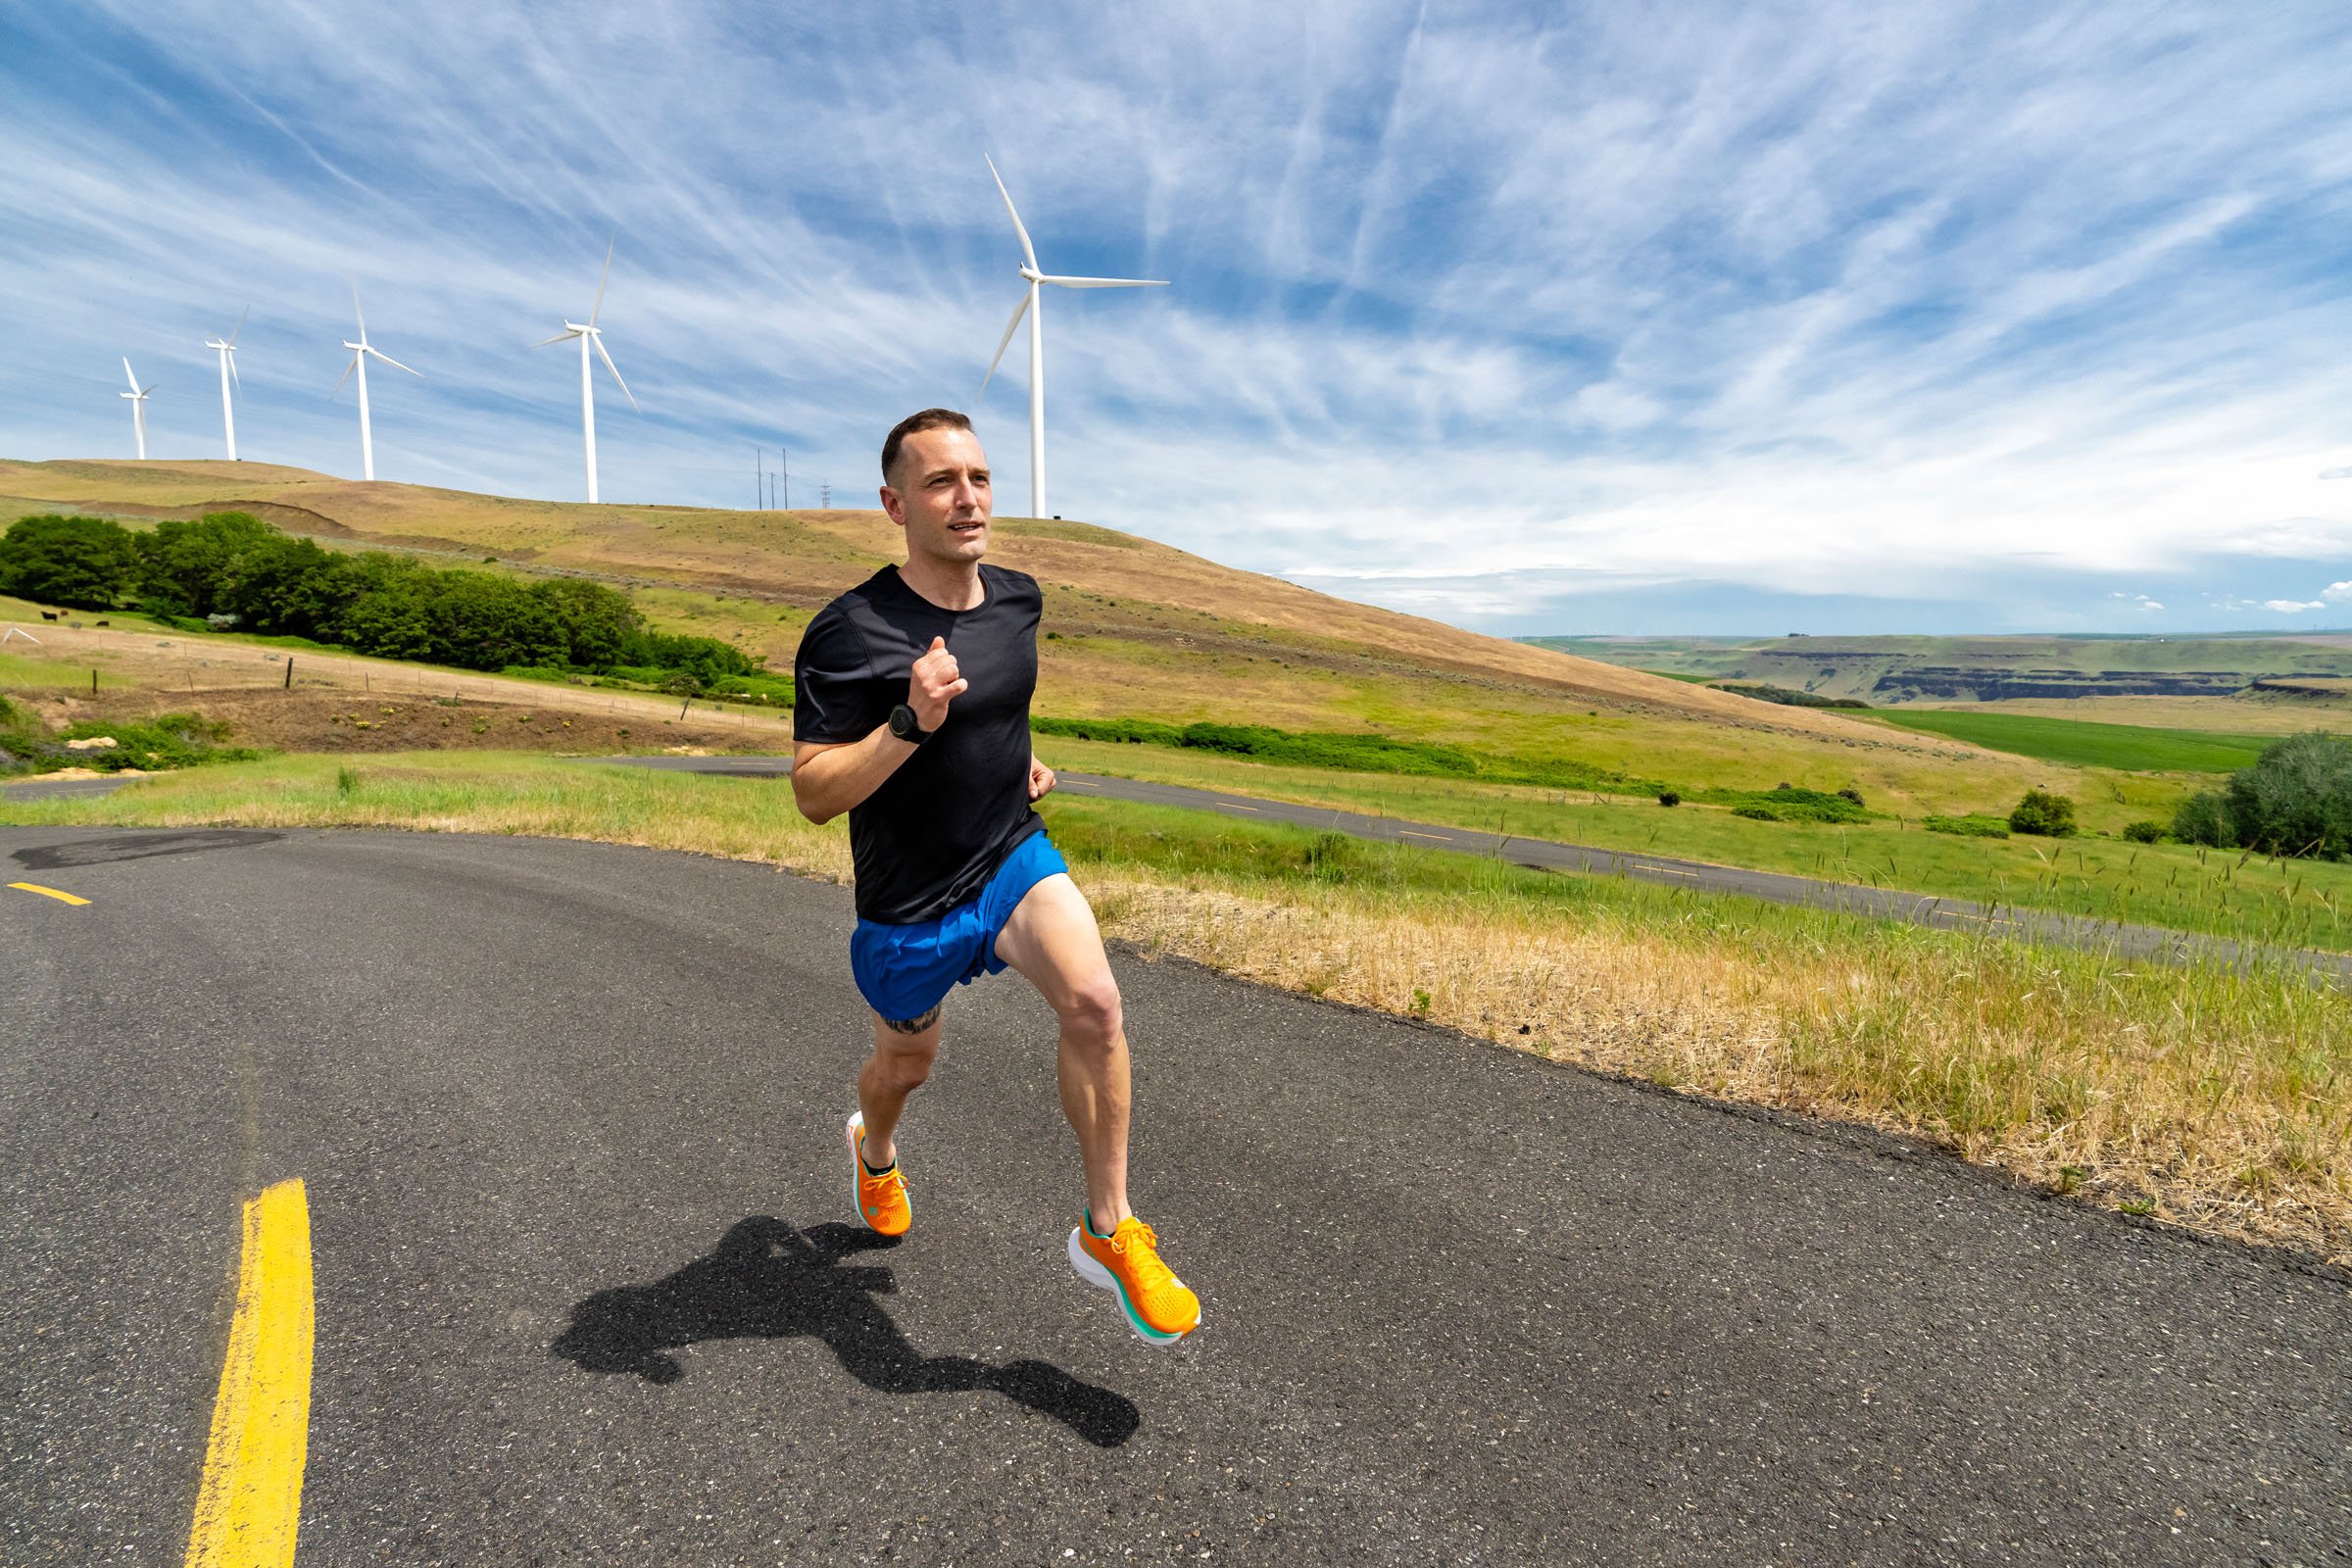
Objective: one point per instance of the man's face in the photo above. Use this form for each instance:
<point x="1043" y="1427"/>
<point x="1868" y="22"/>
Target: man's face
<point x="941" y="497"/>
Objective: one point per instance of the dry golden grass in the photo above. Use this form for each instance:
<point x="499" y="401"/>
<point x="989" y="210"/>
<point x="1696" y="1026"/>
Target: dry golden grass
<point x="2219" y="1101"/>
<point x="2221" y="1107"/>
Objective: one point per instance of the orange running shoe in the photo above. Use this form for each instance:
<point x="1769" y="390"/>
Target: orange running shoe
<point x="881" y="1199"/>
<point x="1160" y="1308"/>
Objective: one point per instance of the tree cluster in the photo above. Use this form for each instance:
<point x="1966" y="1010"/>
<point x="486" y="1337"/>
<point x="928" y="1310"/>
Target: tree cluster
<point x="390" y="606"/>
<point x="2296" y="800"/>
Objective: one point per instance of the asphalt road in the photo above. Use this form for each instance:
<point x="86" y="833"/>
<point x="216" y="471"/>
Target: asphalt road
<point x="588" y="1290"/>
<point x="2156" y="943"/>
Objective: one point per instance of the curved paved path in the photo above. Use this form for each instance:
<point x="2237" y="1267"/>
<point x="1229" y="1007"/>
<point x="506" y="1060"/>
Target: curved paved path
<point x="570" y="1119"/>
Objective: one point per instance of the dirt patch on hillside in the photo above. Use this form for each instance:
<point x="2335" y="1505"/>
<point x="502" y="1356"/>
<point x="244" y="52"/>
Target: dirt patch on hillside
<point x="351" y="721"/>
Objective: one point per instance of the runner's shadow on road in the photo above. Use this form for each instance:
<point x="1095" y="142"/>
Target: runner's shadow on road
<point x="768" y="1280"/>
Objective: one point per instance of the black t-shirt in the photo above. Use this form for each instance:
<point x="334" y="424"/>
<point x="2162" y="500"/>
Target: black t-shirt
<point x="939" y="827"/>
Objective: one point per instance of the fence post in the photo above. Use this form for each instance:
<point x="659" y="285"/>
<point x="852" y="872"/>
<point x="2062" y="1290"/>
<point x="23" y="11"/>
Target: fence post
<point x="290" y="672"/>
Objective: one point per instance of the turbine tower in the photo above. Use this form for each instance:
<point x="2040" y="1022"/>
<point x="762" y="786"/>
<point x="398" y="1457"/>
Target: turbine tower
<point x="139" y="408"/>
<point x="1032" y="303"/>
<point x="589" y="337"/>
<point x="229" y="368"/>
<point x="359" y="362"/>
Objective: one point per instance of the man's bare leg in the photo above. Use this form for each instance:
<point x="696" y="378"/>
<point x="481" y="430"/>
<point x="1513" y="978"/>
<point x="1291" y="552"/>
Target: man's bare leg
<point x="904" y="1050"/>
<point x="1052" y="942"/>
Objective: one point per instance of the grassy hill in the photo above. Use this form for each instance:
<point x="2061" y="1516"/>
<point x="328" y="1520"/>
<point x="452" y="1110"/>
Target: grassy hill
<point x="1134" y="628"/>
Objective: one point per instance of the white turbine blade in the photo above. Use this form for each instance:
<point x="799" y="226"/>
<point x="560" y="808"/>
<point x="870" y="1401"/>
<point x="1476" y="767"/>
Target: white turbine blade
<point x="149" y="387"/>
<point x="232" y="337"/>
<point x="1027" y="249"/>
<point x="1107" y="282"/>
<point x="128" y="375"/>
<point x="1018" y="311"/>
<point x="238" y="381"/>
<point x="355" y="311"/>
<point x="389" y="360"/>
<point x="560" y="337"/>
<point x="345" y="377"/>
<point x="599" y="340"/>
<point x="599" y="306"/>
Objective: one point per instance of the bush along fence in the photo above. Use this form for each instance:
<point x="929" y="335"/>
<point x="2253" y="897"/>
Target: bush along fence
<point x="229" y="569"/>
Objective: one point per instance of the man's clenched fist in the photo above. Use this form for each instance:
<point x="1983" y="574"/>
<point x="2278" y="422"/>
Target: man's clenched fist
<point x="934" y="684"/>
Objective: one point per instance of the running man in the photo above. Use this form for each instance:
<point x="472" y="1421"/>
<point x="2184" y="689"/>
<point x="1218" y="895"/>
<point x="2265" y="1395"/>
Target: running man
<point x="913" y="715"/>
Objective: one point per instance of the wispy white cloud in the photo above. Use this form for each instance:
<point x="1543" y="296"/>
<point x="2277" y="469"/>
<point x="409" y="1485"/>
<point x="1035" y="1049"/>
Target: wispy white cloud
<point x="1502" y="314"/>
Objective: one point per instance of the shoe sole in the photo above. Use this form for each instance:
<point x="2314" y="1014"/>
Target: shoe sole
<point x="1100" y="1278"/>
<point x="857" y="1193"/>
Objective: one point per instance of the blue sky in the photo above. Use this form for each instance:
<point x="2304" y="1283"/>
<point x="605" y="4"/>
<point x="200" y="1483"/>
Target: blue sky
<point x="1536" y="319"/>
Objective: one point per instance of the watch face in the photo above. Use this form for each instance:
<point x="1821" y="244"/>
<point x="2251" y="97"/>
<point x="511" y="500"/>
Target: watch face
<point x="901" y="723"/>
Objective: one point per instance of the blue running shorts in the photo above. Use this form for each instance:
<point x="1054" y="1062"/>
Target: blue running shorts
<point x="903" y="971"/>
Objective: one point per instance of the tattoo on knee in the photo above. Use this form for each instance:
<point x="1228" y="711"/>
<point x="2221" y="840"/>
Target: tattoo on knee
<point x="912" y="1026"/>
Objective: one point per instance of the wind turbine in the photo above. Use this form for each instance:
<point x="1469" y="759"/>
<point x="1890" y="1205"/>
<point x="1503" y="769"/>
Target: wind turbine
<point x="139" y="408"/>
<point x="1033" y="304"/>
<point x="229" y="368"/>
<point x="590" y="336"/>
<point x="359" y="362"/>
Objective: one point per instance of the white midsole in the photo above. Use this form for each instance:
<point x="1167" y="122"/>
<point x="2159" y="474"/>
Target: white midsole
<point x="1088" y="1269"/>
<point x="1097" y="1275"/>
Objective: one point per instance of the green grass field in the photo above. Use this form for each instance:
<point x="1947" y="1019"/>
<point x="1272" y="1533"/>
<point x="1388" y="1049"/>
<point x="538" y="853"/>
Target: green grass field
<point x="2078" y="743"/>
<point x="2299" y="902"/>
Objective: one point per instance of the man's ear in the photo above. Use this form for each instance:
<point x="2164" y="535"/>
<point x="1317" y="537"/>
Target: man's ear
<point x="894" y="505"/>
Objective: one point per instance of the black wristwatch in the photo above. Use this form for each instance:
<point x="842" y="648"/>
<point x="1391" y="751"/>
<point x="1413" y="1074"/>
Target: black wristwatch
<point x="904" y="726"/>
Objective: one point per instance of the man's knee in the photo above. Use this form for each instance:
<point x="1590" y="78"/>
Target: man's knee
<point x="905" y="1070"/>
<point x="905" y="1050"/>
<point x="1092" y="1009"/>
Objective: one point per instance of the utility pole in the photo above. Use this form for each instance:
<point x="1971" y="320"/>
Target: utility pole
<point x="828" y="493"/>
<point x="758" y="477"/>
<point x="787" y="451"/>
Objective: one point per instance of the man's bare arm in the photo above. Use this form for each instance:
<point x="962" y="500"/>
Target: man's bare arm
<point x="827" y="780"/>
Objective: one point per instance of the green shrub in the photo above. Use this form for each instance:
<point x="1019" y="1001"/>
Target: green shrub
<point x="708" y="658"/>
<point x="1973" y="826"/>
<point x="2204" y="818"/>
<point x="2296" y="800"/>
<point x="1786" y="803"/>
<point x="20" y="736"/>
<point x="776" y="691"/>
<point x="152" y="744"/>
<point x="2143" y="832"/>
<point x="2043" y="814"/>
<point x="191" y="567"/>
<point x="86" y="562"/>
<point x="390" y="606"/>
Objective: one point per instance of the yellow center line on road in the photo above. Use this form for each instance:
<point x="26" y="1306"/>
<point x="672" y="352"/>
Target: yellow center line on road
<point x="1232" y="806"/>
<point x="49" y="893"/>
<point x="251" y="1498"/>
<point x="1440" y="838"/>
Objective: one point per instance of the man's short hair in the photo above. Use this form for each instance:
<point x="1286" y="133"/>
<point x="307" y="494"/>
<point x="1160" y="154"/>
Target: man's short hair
<point x="928" y="420"/>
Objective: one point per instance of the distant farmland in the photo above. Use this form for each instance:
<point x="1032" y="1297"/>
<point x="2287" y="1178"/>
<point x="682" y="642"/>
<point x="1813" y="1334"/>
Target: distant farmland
<point x="2079" y="743"/>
